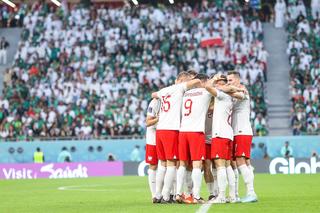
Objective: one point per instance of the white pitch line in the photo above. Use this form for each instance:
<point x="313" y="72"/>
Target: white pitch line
<point x="204" y="208"/>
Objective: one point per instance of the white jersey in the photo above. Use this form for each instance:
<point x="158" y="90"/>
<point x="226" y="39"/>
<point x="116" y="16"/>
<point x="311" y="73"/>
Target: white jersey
<point x="195" y="105"/>
<point x="153" y="110"/>
<point x="221" y="125"/>
<point x="171" y="99"/>
<point x="208" y="128"/>
<point x="241" y="117"/>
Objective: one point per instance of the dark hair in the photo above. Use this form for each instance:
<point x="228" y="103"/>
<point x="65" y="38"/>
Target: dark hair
<point x="223" y="78"/>
<point x="182" y="74"/>
<point x="192" y="72"/>
<point x="38" y="149"/>
<point x="233" y="72"/>
<point x="201" y="76"/>
<point x="64" y="148"/>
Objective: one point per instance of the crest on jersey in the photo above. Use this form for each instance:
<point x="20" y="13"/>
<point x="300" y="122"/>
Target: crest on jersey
<point x="149" y="157"/>
<point x="174" y="157"/>
<point x="202" y="158"/>
<point x="217" y="156"/>
<point x="243" y="154"/>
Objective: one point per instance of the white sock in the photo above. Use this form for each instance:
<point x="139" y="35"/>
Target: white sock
<point x="181" y="174"/>
<point x="251" y="185"/>
<point x="232" y="182"/>
<point x="174" y="184"/>
<point x="152" y="181"/>
<point x="236" y="175"/>
<point x="161" y="171"/>
<point x="222" y="181"/>
<point x="196" y="180"/>
<point x="210" y="187"/>
<point x="168" y="181"/>
<point x="247" y="175"/>
<point x="215" y="182"/>
<point x="189" y="182"/>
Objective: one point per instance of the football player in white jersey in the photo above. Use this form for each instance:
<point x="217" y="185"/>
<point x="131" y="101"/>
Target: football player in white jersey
<point x="167" y="133"/>
<point x="151" y="152"/>
<point x="195" y="105"/>
<point x="243" y="137"/>
<point x="210" y="172"/>
<point x="222" y="136"/>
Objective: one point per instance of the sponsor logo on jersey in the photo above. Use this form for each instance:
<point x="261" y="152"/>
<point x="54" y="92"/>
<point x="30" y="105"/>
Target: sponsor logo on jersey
<point x="150" y="158"/>
<point x="243" y="154"/>
<point x="217" y="156"/>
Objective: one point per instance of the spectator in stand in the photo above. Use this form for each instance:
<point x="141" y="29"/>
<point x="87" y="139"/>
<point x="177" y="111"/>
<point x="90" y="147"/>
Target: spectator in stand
<point x="286" y="150"/>
<point x="64" y="156"/>
<point x="4" y="44"/>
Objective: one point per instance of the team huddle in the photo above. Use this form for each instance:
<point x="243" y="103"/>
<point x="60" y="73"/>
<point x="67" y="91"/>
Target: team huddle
<point x="199" y="125"/>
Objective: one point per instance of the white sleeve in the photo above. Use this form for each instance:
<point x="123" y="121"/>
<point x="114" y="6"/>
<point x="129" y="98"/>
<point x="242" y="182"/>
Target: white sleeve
<point x="220" y="95"/>
<point x="183" y="87"/>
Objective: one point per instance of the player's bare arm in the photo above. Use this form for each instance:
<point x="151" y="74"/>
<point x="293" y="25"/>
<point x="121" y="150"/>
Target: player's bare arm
<point x="231" y="89"/>
<point x="212" y="90"/>
<point x="237" y="95"/>
<point x="150" y="121"/>
<point x="154" y="95"/>
<point x="193" y="83"/>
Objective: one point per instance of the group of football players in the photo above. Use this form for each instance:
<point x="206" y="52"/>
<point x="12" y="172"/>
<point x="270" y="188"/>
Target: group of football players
<point x="200" y="126"/>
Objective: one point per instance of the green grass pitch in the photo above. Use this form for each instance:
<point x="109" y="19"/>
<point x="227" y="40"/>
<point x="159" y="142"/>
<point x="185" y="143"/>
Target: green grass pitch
<point x="277" y="193"/>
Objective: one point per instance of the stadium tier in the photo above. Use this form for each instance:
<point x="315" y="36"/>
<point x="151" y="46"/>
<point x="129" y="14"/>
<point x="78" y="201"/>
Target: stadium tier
<point x="303" y="51"/>
<point x="88" y="73"/>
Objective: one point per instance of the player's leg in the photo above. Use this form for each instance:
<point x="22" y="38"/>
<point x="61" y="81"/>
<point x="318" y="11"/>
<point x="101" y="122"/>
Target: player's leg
<point x="208" y="177"/>
<point x="181" y="175"/>
<point x="197" y="180"/>
<point x="162" y="167"/>
<point x="236" y="175"/>
<point x="152" y="181"/>
<point x="220" y="153"/>
<point x="215" y="179"/>
<point x="188" y="181"/>
<point x="170" y="143"/>
<point x="183" y="163"/>
<point x="232" y="182"/>
<point x="152" y="160"/>
<point x="222" y="181"/>
<point x="242" y="153"/>
<point x="197" y="152"/>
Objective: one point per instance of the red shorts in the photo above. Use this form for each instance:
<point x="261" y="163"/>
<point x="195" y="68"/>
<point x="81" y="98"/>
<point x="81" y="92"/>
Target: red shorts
<point x="192" y="146"/>
<point x="208" y="151"/>
<point x="242" y="145"/>
<point x="167" y="144"/>
<point x="221" y="148"/>
<point x="151" y="155"/>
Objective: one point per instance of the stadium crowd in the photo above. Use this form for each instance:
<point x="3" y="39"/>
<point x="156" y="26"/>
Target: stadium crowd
<point x="88" y="73"/>
<point x="12" y="17"/>
<point x="303" y="51"/>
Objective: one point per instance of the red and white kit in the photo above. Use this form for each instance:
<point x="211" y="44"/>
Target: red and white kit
<point x="222" y="133"/>
<point x="208" y="133"/>
<point x="242" y="127"/>
<point x="167" y="134"/>
<point x="192" y="131"/>
<point x="151" y="151"/>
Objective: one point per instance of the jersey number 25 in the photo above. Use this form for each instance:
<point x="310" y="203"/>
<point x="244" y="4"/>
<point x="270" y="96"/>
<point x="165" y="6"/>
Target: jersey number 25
<point x="165" y="106"/>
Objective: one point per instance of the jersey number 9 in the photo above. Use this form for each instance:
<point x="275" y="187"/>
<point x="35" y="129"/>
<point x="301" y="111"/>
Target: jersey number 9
<point x="188" y="106"/>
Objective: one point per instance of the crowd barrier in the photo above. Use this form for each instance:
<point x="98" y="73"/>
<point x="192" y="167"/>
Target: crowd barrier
<point x="103" y="169"/>
<point x="98" y="150"/>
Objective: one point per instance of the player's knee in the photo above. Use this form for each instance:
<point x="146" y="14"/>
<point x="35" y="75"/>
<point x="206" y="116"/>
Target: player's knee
<point x="240" y="161"/>
<point x="153" y="167"/>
